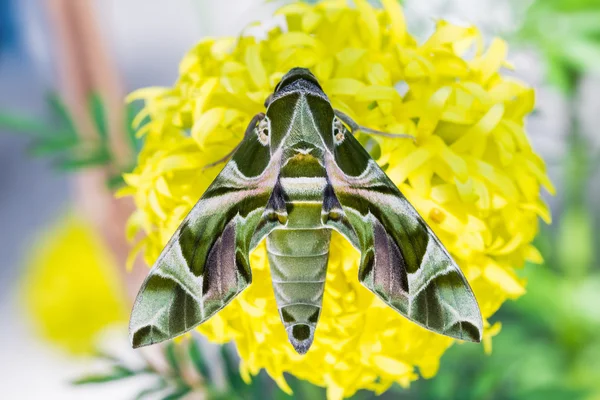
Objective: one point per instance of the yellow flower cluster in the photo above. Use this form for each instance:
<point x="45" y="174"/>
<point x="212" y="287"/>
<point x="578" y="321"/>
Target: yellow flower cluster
<point x="72" y="289"/>
<point x="471" y="173"/>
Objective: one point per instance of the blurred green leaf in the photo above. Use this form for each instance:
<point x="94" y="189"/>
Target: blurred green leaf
<point x="134" y="142"/>
<point x="178" y="393"/>
<point x="98" y="115"/>
<point x="575" y="241"/>
<point x="571" y="5"/>
<point x="60" y="110"/>
<point x="53" y="145"/>
<point x="114" y="182"/>
<point x="213" y="393"/>
<point x="16" y="123"/>
<point x="60" y="140"/>
<point x="151" y="390"/>
<point x="102" y="355"/>
<point x="171" y="357"/>
<point x="553" y="393"/>
<point x="308" y="391"/>
<point x="231" y="370"/>
<point x="567" y="34"/>
<point x="198" y="360"/>
<point x="559" y="74"/>
<point x="118" y="372"/>
<point x="583" y="54"/>
<point x="94" y="158"/>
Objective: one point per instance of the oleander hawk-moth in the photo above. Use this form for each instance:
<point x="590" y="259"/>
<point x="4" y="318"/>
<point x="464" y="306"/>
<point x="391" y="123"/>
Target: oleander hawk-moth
<point x="297" y="174"/>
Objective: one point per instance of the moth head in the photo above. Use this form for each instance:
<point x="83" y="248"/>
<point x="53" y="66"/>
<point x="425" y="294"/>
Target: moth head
<point x="299" y="116"/>
<point x="294" y="75"/>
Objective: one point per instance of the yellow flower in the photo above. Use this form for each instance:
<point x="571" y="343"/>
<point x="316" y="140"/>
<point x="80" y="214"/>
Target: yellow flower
<point x="71" y="288"/>
<point x="472" y="174"/>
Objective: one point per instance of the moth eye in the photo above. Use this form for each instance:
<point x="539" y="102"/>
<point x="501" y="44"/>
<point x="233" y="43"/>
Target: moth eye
<point x="338" y="131"/>
<point x="262" y="131"/>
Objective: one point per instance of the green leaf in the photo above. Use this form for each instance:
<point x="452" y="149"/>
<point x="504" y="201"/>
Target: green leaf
<point x="101" y="354"/>
<point x="213" y="393"/>
<point x="560" y="76"/>
<point x="61" y="139"/>
<point x="98" y="113"/>
<point x="178" y="393"/>
<point x="171" y="356"/>
<point x="232" y="370"/>
<point x="93" y="159"/>
<point x="59" y="108"/>
<point x="12" y="122"/>
<point x="115" y="182"/>
<point x="581" y="22"/>
<point x="135" y="142"/>
<point x="309" y="391"/>
<point x="575" y="241"/>
<point x="53" y="145"/>
<point x="151" y="390"/>
<point x="554" y="393"/>
<point x="198" y="360"/>
<point x="571" y="46"/>
<point x="569" y="6"/>
<point x="583" y="54"/>
<point x="118" y="372"/>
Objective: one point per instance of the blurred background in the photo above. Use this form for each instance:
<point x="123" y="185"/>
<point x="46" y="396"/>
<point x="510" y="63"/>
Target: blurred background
<point x="65" y="67"/>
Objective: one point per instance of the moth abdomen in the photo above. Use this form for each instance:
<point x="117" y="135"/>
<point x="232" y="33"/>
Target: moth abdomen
<point x="298" y="273"/>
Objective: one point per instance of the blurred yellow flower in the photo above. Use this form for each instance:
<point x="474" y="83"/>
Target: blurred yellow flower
<point x="471" y="173"/>
<point x="71" y="287"/>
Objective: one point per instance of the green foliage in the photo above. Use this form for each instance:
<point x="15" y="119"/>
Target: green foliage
<point x="59" y="139"/>
<point x="117" y="372"/>
<point x="567" y="34"/>
<point x="178" y="378"/>
<point x="575" y="231"/>
<point x="231" y="370"/>
<point x="198" y="360"/>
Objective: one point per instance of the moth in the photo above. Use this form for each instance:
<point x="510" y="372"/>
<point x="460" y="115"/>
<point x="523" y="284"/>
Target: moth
<point x="298" y="174"/>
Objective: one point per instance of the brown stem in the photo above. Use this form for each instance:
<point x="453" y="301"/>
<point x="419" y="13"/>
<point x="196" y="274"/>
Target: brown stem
<point x="84" y="67"/>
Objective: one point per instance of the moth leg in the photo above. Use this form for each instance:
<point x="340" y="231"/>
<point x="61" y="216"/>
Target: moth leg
<point x="354" y="128"/>
<point x="253" y="122"/>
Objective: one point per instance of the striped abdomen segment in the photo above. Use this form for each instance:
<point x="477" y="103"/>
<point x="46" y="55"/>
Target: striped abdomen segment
<point x="298" y="260"/>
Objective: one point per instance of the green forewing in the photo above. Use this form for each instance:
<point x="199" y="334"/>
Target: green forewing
<point x="206" y="263"/>
<point x="402" y="261"/>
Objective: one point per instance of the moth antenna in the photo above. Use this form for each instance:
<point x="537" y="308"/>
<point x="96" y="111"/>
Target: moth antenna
<point x="354" y="128"/>
<point x="224" y="159"/>
<point x="255" y="120"/>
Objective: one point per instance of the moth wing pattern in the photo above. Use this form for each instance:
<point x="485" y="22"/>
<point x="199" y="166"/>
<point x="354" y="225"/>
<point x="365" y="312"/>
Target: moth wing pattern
<point x="206" y="262"/>
<point x="402" y="260"/>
